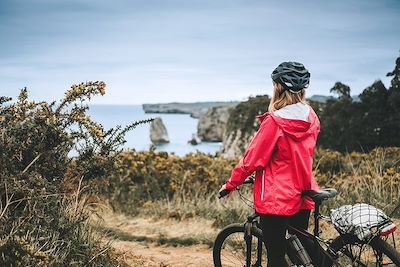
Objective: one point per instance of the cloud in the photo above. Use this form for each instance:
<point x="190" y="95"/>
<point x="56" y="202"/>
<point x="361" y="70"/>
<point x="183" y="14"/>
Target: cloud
<point x="179" y="50"/>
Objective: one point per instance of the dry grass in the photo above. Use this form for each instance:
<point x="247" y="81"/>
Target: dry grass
<point x="221" y="212"/>
<point x="372" y="178"/>
<point x="64" y="235"/>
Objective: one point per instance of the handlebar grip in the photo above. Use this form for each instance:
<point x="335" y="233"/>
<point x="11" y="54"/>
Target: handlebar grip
<point x="249" y="180"/>
<point x="223" y="193"/>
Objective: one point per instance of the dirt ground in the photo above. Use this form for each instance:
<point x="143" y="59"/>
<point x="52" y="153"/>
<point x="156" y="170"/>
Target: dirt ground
<point x="148" y="242"/>
<point x="138" y="240"/>
<point x="135" y="254"/>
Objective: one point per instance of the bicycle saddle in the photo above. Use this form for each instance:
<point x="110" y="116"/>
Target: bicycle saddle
<point x="320" y="195"/>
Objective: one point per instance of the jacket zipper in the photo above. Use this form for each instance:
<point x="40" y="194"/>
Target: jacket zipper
<point x="262" y="186"/>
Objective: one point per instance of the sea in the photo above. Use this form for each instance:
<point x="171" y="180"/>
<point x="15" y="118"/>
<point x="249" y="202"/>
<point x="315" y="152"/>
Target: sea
<point x="180" y="128"/>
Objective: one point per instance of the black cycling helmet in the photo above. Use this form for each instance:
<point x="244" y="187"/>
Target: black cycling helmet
<point x="293" y="76"/>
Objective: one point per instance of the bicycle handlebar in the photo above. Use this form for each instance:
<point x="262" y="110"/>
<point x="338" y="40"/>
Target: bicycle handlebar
<point x="225" y="192"/>
<point x="249" y="180"/>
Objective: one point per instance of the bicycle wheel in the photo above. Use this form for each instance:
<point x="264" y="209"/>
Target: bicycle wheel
<point x="354" y="252"/>
<point x="230" y="247"/>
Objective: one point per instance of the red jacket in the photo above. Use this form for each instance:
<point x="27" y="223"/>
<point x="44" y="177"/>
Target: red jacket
<point x="281" y="155"/>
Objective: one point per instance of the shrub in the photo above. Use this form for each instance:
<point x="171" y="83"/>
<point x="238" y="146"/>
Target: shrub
<point x="43" y="218"/>
<point x="150" y="175"/>
<point x="166" y="185"/>
<point x="373" y="178"/>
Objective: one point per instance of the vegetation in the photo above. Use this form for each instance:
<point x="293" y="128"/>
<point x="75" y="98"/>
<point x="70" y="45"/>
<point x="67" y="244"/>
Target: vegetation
<point x="373" y="121"/>
<point x="158" y="184"/>
<point x="244" y="113"/>
<point x="151" y="176"/>
<point x="45" y="200"/>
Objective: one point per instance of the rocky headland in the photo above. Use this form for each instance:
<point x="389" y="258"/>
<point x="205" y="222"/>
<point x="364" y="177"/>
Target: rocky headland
<point x="196" y="109"/>
<point x="211" y="126"/>
<point x="242" y="125"/>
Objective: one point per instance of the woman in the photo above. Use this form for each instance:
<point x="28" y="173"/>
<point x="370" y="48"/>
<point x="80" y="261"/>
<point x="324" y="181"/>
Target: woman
<point x="281" y="155"/>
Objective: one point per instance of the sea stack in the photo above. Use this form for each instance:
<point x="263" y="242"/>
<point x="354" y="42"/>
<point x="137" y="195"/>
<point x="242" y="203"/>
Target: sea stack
<point x="158" y="132"/>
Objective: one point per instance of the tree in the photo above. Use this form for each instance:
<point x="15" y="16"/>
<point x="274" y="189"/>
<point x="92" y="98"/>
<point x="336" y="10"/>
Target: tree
<point x="394" y="90"/>
<point x="342" y="90"/>
<point x="393" y="120"/>
<point x="374" y="113"/>
<point x="340" y="124"/>
<point x="372" y="122"/>
<point x="396" y="73"/>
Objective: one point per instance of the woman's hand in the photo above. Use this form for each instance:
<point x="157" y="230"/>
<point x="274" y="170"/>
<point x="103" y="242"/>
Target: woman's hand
<point x="223" y="191"/>
<point x="223" y="187"/>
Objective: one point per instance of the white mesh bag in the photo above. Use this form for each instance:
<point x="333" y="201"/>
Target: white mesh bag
<point x="362" y="220"/>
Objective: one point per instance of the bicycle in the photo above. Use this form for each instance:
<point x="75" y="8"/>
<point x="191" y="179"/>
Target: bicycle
<point x="240" y="244"/>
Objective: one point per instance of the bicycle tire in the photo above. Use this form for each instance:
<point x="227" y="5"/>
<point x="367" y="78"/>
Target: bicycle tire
<point x="343" y="244"/>
<point x="221" y="239"/>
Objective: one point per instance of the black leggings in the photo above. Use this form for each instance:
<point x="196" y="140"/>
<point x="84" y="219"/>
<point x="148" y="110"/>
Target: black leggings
<point x="274" y="232"/>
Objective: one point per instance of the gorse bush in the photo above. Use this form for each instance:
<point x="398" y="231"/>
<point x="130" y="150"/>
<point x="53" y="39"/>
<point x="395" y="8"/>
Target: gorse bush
<point x="43" y="211"/>
<point x="166" y="185"/>
<point x="149" y="176"/>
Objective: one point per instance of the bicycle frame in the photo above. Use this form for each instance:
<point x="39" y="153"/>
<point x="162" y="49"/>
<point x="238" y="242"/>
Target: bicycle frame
<point x="321" y="253"/>
<point x="252" y="221"/>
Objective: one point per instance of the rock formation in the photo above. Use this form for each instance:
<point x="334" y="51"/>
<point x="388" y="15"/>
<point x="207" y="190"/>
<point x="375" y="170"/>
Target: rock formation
<point x="242" y="124"/>
<point x="235" y="143"/>
<point x="196" y="110"/>
<point x="211" y="126"/>
<point x="158" y="132"/>
<point x="195" y="140"/>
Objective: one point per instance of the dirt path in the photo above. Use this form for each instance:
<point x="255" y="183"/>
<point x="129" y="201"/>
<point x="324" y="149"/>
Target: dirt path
<point x="147" y="242"/>
<point x="152" y="255"/>
<point x="161" y="243"/>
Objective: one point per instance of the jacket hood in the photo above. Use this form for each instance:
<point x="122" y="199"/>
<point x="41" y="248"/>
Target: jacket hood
<point x="295" y="128"/>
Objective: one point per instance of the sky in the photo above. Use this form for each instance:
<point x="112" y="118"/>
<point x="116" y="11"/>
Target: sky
<point x="155" y="51"/>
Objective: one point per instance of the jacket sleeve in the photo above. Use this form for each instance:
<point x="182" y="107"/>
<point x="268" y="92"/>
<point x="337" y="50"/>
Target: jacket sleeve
<point x="257" y="154"/>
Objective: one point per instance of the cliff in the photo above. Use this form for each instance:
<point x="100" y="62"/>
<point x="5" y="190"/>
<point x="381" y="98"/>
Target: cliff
<point x="211" y="126"/>
<point x="242" y="125"/>
<point x="196" y="109"/>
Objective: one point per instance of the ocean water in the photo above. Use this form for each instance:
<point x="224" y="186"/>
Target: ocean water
<point x="180" y="128"/>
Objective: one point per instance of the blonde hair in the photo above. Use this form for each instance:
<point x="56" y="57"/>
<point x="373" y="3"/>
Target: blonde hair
<point x="282" y="99"/>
